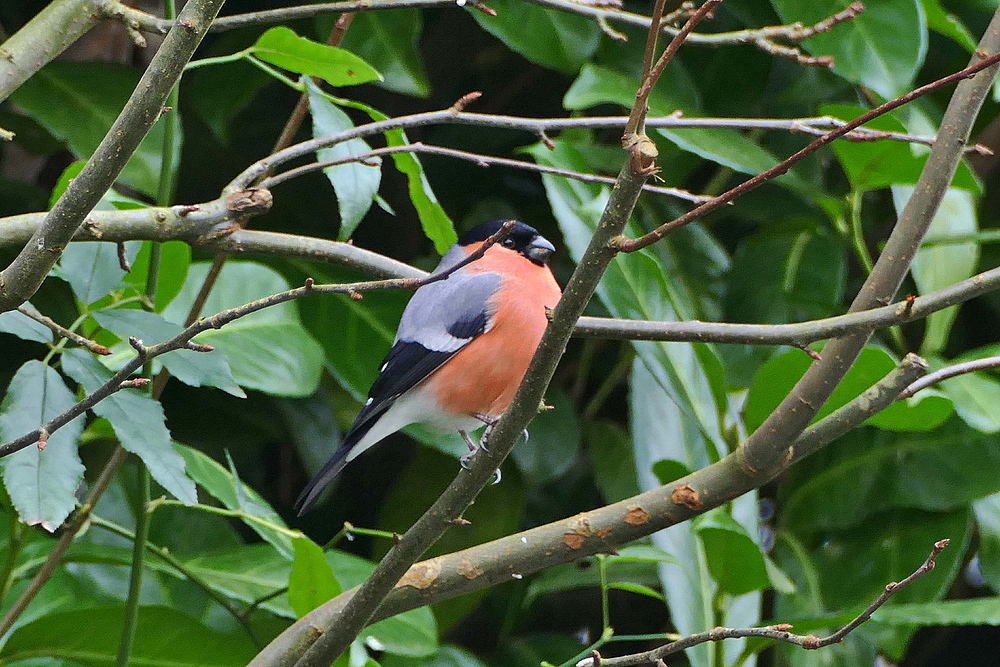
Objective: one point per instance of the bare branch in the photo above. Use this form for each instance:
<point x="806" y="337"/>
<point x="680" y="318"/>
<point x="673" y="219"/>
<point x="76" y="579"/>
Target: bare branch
<point x="598" y="531"/>
<point x="60" y="330"/>
<point x="776" y="632"/>
<point x="631" y="245"/>
<point x="984" y="364"/>
<point x="477" y="158"/>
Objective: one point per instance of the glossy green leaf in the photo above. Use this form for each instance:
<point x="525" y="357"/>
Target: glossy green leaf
<point x="734" y="559"/>
<point x="940" y="266"/>
<point x="855" y="574"/>
<point x="558" y="40"/>
<point x="669" y="470"/>
<point x="389" y="41"/>
<point x="446" y="656"/>
<point x="870" y="165"/>
<point x="91" y="96"/>
<point x="949" y="25"/>
<point x="976" y="397"/>
<point x="987" y="511"/>
<point x="640" y="570"/>
<point x="599" y="85"/>
<point x="613" y="461"/>
<point x="175" y="257"/>
<point x="983" y="611"/>
<point x="233" y="494"/>
<point x="355" y="183"/>
<point x="871" y="471"/>
<point x="776" y="377"/>
<point x="24" y="327"/>
<point x="435" y="222"/>
<point x="282" y="47"/>
<point x="138" y="422"/>
<point x="41" y="484"/>
<point x="311" y="582"/>
<point x="163" y="636"/>
<point x="268" y="350"/>
<point x="553" y="443"/>
<point x="192" y="368"/>
<point x="882" y="48"/>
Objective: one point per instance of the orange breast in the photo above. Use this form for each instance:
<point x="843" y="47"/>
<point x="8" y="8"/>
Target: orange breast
<point x="484" y="376"/>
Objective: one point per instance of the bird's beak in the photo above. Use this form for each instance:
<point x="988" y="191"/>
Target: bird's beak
<point x="539" y="250"/>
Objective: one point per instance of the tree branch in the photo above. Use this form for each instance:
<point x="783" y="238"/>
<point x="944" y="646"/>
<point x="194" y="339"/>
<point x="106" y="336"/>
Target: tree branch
<point x="984" y="364"/>
<point x="602" y="530"/>
<point x="778" y="633"/>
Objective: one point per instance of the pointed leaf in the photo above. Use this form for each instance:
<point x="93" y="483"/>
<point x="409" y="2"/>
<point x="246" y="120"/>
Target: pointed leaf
<point x="355" y="183"/>
<point x="282" y="47"/>
<point x="192" y="368"/>
<point x="311" y="582"/>
<point x="42" y="484"/>
<point x="138" y="422"/>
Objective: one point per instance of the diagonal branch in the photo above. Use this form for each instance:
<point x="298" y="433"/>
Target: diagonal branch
<point x="602" y="530"/>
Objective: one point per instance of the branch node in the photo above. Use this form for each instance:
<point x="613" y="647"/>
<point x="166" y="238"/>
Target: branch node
<point x="811" y="352"/>
<point x="251" y="201"/>
<point x="605" y="27"/>
<point x="464" y="100"/>
<point x="309" y="283"/>
<point x="544" y="138"/>
<point x="484" y="8"/>
<point x="43" y="439"/>
<point x="135" y="383"/>
<point x="198" y="347"/>
<point x="138" y="346"/>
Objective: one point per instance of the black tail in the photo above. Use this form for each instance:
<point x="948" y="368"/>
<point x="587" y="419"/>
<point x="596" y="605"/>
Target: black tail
<point x="325" y="475"/>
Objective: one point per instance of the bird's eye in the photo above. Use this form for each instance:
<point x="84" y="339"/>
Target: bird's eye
<point x="508" y="243"/>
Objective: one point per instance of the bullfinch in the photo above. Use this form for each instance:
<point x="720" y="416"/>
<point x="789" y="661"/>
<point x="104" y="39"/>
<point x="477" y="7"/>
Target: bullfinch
<point x="463" y="346"/>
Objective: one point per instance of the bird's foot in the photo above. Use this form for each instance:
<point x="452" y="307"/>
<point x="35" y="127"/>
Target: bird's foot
<point x="496" y="476"/>
<point x="490" y="422"/>
<point x="466" y="458"/>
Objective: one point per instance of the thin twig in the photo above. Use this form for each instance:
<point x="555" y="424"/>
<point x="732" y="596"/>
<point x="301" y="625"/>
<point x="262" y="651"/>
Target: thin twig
<point x="984" y="364"/>
<point x="479" y="159"/>
<point x="631" y="245"/>
<point x="775" y="632"/>
<point x="60" y="330"/>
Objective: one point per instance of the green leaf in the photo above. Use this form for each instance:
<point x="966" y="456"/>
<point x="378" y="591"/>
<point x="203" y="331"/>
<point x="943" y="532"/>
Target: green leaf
<point x="436" y="224"/>
<point x="196" y="369"/>
<point x="311" y="582"/>
<point x="871" y="471"/>
<point x="356" y="184"/>
<point x="669" y="470"/>
<point x="558" y="40"/>
<point x="639" y="570"/>
<point x="948" y="25"/>
<point x="870" y="165"/>
<point x="941" y="266"/>
<point x="92" y="269"/>
<point x="91" y="636"/>
<point x="882" y="48"/>
<point x="24" y="327"/>
<point x="413" y="633"/>
<point x="268" y="350"/>
<point x="734" y="559"/>
<point x="983" y="611"/>
<point x="638" y="589"/>
<point x="282" y="47"/>
<point x="138" y="422"/>
<point x="446" y="656"/>
<point x="640" y="553"/>
<point x="612" y="460"/>
<point x="554" y="441"/>
<point x="91" y="96"/>
<point x="988" y="522"/>
<point x="220" y="484"/>
<point x="389" y="41"/>
<point x="853" y="573"/>
<point x="976" y="397"/>
<point x="776" y="377"/>
<point x="175" y="258"/>
<point x="42" y="484"/>
<point x="599" y="85"/>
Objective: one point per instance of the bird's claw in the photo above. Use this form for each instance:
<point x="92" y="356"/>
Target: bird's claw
<point x="496" y="476"/>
